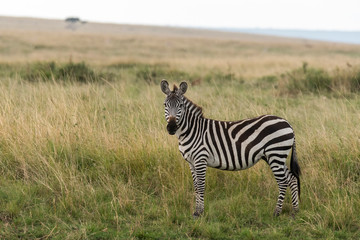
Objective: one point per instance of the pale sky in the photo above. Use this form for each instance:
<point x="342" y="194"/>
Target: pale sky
<point x="277" y="14"/>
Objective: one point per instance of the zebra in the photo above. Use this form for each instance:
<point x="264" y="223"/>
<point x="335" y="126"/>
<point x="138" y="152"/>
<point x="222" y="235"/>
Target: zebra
<point x="231" y="145"/>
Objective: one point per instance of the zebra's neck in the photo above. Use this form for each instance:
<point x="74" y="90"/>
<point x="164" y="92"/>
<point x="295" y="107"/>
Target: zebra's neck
<point x="192" y="120"/>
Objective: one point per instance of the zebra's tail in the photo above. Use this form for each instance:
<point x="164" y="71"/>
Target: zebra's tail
<point x="294" y="166"/>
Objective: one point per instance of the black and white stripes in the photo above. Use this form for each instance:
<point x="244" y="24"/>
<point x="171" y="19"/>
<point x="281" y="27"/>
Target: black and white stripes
<point x="231" y="145"/>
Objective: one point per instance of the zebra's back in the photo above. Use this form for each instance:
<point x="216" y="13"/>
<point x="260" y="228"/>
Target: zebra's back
<point x="239" y="145"/>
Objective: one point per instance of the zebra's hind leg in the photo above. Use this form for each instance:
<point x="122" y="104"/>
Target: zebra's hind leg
<point x="294" y="188"/>
<point x="281" y="174"/>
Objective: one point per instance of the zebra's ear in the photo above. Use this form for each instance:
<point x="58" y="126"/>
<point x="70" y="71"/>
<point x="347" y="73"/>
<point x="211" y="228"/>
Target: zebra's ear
<point x="183" y="88"/>
<point x="165" y="87"/>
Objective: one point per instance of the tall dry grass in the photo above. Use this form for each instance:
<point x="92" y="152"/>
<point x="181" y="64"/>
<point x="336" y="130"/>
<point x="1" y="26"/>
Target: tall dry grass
<point x="96" y="159"/>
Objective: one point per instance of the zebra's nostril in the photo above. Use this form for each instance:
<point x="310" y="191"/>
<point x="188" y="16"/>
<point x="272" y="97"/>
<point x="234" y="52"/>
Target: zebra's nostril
<point x="171" y="119"/>
<point x="171" y="126"/>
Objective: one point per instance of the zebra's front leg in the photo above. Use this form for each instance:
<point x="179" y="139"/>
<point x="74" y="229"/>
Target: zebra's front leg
<point x="194" y="177"/>
<point x="199" y="172"/>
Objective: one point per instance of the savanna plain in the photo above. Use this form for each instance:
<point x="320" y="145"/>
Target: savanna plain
<point x="84" y="151"/>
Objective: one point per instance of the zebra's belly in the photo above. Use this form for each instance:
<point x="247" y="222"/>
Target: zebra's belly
<point x="232" y="164"/>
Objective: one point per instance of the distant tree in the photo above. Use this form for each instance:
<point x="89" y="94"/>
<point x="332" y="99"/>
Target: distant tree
<point x="72" y="19"/>
<point x="72" y="22"/>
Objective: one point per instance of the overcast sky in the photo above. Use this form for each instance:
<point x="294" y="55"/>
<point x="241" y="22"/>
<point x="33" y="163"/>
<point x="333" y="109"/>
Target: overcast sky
<point x="279" y="14"/>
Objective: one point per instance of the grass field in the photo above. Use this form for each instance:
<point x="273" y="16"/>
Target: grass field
<point x="84" y="151"/>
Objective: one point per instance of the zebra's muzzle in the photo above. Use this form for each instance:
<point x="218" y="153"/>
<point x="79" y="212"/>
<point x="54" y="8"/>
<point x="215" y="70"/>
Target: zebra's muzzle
<point x="171" y="127"/>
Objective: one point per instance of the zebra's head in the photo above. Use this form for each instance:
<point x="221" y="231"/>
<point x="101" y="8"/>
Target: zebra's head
<point x="173" y="105"/>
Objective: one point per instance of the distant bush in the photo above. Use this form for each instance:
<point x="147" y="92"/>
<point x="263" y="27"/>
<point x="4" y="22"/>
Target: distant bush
<point x="154" y="73"/>
<point x="77" y="71"/>
<point x="7" y="70"/>
<point x="39" y="71"/>
<point x="355" y="82"/>
<point x="126" y="65"/>
<point x="150" y="73"/>
<point x="269" y="81"/>
<point x="316" y="80"/>
<point x="72" y="72"/>
<point x="306" y="79"/>
<point x="217" y="75"/>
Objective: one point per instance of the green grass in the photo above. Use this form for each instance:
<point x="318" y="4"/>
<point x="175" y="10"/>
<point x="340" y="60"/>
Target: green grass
<point x="317" y="80"/>
<point x="94" y="161"/>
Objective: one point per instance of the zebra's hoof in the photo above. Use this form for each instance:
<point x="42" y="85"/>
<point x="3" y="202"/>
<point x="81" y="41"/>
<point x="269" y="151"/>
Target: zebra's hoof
<point x="196" y="215"/>
<point x="294" y="212"/>
<point x="276" y="213"/>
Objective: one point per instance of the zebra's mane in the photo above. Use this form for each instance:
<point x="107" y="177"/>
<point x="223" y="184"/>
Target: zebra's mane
<point x="198" y="109"/>
<point x="175" y="88"/>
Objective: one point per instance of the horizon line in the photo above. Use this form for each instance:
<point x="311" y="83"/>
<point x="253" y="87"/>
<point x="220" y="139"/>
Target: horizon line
<point x="187" y="26"/>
